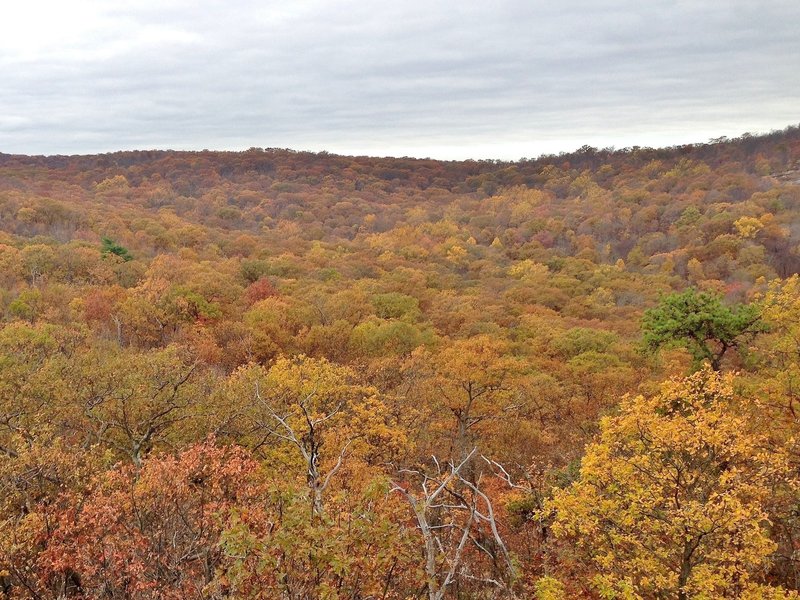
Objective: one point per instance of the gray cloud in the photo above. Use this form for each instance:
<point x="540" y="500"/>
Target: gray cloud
<point x="504" y="79"/>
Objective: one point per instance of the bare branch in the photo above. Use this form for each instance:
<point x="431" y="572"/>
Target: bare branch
<point x="336" y="467"/>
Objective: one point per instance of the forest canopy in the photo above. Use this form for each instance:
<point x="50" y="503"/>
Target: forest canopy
<point x="278" y="374"/>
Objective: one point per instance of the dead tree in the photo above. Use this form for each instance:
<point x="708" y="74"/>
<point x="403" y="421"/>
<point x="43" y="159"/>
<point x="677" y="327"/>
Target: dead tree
<point x="452" y="513"/>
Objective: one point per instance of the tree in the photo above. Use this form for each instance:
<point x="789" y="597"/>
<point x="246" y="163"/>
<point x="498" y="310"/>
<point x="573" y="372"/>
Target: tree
<point x="776" y="385"/>
<point x="472" y="385"/>
<point x="260" y="289"/>
<point x="154" y="532"/>
<point x="32" y="374"/>
<point x="781" y="350"/>
<point x="317" y="411"/>
<point x="109" y="246"/>
<point x="701" y="323"/>
<point x="671" y="498"/>
<point x="363" y="549"/>
<point x="36" y="475"/>
<point x="38" y="262"/>
<point x="450" y="510"/>
<point x="130" y="401"/>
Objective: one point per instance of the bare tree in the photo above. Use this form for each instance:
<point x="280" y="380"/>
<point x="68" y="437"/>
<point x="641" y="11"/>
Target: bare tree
<point x="452" y="514"/>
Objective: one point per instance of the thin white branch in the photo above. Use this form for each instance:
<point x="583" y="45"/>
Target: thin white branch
<point x="336" y="467"/>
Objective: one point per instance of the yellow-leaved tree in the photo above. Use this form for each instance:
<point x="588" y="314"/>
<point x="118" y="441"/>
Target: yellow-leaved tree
<point x="780" y="350"/>
<point x="313" y="415"/>
<point x="671" y="499"/>
<point x="776" y="387"/>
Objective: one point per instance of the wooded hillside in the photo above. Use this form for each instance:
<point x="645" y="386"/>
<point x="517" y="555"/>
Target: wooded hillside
<point x="276" y="374"/>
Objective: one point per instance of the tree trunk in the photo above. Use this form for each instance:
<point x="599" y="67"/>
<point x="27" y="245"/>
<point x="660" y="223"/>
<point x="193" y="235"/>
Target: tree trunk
<point x="686" y="569"/>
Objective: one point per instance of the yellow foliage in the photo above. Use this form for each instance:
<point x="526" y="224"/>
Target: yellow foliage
<point x="695" y="268"/>
<point x="110" y="185"/>
<point x="672" y="495"/>
<point x="527" y="268"/>
<point x="457" y="254"/>
<point x="748" y="227"/>
<point x="549" y="588"/>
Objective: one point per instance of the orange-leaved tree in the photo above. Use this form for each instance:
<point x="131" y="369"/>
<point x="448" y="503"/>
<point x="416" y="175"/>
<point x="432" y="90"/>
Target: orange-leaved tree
<point x="153" y="532"/>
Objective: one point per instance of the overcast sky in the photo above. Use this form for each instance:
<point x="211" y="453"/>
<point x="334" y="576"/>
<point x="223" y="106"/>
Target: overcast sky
<point x="445" y="79"/>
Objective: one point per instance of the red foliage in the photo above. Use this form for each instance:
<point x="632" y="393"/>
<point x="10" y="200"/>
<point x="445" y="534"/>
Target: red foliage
<point x="98" y="305"/>
<point x="153" y="533"/>
<point x="259" y="290"/>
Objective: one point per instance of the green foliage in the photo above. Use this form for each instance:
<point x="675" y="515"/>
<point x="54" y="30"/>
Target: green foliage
<point x="253" y="270"/>
<point x="394" y="305"/>
<point x="690" y="216"/>
<point x="189" y="305"/>
<point x="701" y="323"/>
<point x="376" y="337"/>
<point x="26" y="305"/>
<point x="109" y="246"/>
<point x="578" y="340"/>
<point x="523" y="509"/>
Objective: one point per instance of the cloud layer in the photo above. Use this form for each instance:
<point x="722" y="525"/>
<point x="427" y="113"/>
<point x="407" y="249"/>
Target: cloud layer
<point x="500" y="79"/>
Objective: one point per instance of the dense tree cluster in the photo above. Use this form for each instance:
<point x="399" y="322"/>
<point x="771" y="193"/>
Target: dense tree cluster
<point x="274" y="374"/>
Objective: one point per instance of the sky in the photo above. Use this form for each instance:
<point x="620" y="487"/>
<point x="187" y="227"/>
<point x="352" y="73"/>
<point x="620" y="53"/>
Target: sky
<point x="448" y="79"/>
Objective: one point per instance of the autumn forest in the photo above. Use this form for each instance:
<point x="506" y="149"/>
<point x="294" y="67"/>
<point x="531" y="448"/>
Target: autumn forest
<point x="287" y="375"/>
